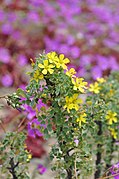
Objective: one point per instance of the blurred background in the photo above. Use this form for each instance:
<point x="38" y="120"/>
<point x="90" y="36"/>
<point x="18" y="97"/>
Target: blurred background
<point x="86" y="31"/>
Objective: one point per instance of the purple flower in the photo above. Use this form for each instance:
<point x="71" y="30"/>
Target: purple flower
<point x="115" y="170"/>
<point x="33" y="16"/>
<point x="102" y="62"/>
<point x="75" y="51"/>
<point x="16" y="35"/>
<point x="70" y="40"/>
<point x="32" y="128"/>
<point x="22" y="60"/>
<point x="30" y="111"/>
<point x="7" y="80"/>
<point x="41" y="169"/>
<point x="113" y="65"/>
<point x="23" y="87"/>
<point x="81" y="72"/>
<point x="96" y="72"/>
<point x="2" y="15"/>
<point x="12" y="17"/>
<point x="40" y="104"/>
<point x="7" y="28"/>
<point x="76" y="142"/>
<point x="64" y="49"/>
<point x="85" y="60"/>
<point x="4" y="55"/>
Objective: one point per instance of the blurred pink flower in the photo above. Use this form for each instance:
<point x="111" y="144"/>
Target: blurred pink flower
<point x="7" y="80"/>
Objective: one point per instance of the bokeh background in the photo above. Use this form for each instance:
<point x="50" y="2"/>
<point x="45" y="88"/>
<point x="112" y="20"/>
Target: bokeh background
<point x="86" y="31"/>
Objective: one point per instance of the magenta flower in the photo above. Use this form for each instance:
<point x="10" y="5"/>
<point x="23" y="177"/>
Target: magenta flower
<point x="76" y="142"/>
<point x="30" y="111"/>
<point x="22" y="60"/>
<point x="7" y="28"/>
<point x="7" y="80"/>
<point x="96" y="72"/>
<point x="103" y="62"/>
<point x="40" y="104"/>
<point x="4" y="55"/>
<point x="33" y="16"/>
<point x="75" y="51"/>
<point x="41" y="169"/>
<point x="32" y="128"/>
<point x="115" y="170"/>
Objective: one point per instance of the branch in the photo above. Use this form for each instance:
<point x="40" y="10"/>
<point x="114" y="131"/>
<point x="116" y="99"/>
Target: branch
<point x="109" y="176"/>
<point x="5" y="97"/>
<point x="12" y="168"/>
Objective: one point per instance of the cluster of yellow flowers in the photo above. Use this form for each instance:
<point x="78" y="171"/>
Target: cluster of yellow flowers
<point x="53" y="61"/>
<point x="72" y="102"/>
<point x="95" y="88"/>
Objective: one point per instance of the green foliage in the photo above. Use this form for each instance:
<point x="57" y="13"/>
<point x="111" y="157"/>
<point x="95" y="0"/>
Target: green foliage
<point x="86" y="130"/>
<point x="14" y="156"/>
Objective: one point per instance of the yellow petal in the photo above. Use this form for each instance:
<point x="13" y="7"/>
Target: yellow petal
<point x="51" y="71"/>
<point x="45" y="62"/>
<point x="58" y="65"/>
<point x="66" y="60"/>
<point x="51" y="66"/>
<point x="79" y="101"/>
<point x="75" y="88"/>
<point x="40" y="65"/>
<point x="81" y="89"/>
<point x="41" y="77"/>
<point x="61" y="56"/>
<point x="44" y="71"/>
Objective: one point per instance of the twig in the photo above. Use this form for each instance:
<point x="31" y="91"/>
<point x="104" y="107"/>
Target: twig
<point x="2" y="126"/>
<point x="109" y="176"/>
<point x="107" y="171"/>
<point x="21" y="123"/>
<point x="5" y="96"/>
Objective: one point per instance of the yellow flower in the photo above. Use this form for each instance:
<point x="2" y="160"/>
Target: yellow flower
<point x="29" y="157"/>
<point x="61" y="62"/>
<point x="38" y="76"/>
<point x="89" y="103"/>
<point x="111" y="117"/>
<point x="52" y="57"/>
<point x="82" y="118"/>
<point x="72" y="102"/>
<point x="71" y="72"/>
<point x="111" y="92"/>
<point x="69" y="104"/>
<point x="76" y="101"/>
<point x="79" y="84"/>
<point x="113" y="133"/>
<point x="94" y="88"/>
<point x="101" y="80"/>
<point x="46" y="67"/>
